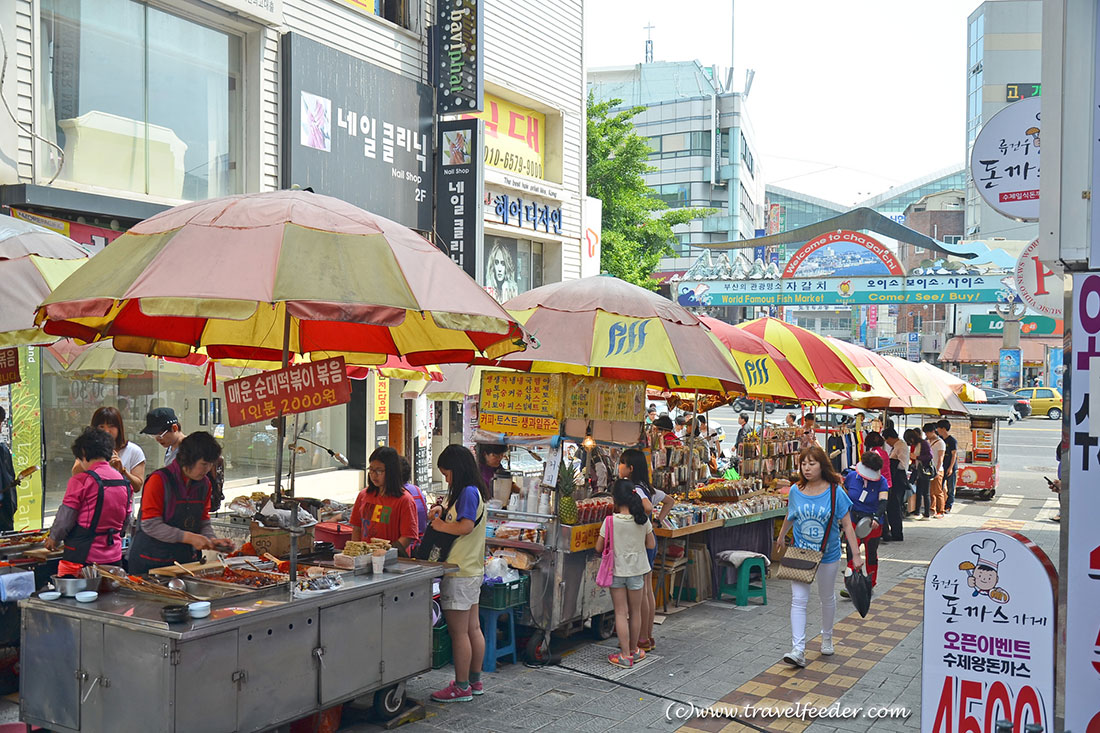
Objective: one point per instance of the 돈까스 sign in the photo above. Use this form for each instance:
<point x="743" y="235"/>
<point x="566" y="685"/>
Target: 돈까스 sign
<point x="299" y="388"/>
<point x="989" y="623"/>
<point x="1005" y="161"/>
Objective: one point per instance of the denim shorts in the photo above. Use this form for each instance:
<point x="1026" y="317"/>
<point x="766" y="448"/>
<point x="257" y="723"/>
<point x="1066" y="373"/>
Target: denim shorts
<point x="630" y="582"/>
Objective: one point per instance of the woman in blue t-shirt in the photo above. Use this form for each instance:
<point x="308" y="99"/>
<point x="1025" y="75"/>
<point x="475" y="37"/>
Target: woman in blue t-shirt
<point x="810" y="505"/>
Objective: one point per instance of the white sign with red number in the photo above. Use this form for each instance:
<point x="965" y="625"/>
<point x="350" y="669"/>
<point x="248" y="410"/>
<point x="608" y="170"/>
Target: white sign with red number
<point x="1039" y="283"/>
<point x="989" y="624"/>
<point x="1005" y="160"/>
<point x="1083" y="546"/>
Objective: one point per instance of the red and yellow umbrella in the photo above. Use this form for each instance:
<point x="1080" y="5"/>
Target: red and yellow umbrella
<point x="245" y="277"/>
<point x="820" y="362"/>
<point x="889" y="387"/>
<point x="767" y="373"/>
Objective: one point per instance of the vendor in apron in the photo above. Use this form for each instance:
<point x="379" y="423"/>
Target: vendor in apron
<point x="95" y="510"/>
<point x="175" y="509"/>
<point x="384" y="509"/>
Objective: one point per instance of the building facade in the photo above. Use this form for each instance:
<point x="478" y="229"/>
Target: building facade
<point x="1004" y="49"/>
<point x="703" y="147"/>
<point x="128" y="107"/>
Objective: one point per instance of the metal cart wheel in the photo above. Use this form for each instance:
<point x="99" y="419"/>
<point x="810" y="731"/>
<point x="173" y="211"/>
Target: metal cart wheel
<point x="538" y="648"/>
<point x="603" y="626"/>
<point x="987" y="495"/>
<point x="390" y="701"/>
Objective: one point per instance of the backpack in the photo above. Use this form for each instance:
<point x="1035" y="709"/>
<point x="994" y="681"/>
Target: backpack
<point x="217" y="484"/>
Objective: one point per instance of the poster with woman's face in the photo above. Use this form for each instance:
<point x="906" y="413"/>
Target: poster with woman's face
<point x="500" y="269"/>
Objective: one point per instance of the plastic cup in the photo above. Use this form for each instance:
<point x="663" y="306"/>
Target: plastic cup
<point x="378" y="562"/>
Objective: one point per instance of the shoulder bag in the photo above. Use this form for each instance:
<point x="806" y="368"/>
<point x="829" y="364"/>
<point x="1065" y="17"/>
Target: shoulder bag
<point x="606" y="574"/>
<point x="435" y="546"/>
<point x="800" y="565"/>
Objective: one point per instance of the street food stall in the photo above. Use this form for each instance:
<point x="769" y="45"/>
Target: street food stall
<point x="554" y="537"/>
<point x="264" y="656"/>
<point x="976" y="473"/>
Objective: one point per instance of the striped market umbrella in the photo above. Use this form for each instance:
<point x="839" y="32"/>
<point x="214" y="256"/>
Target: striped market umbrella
<point x="767" y="373"/>
<point x="964" y="390"/>
<point x="258" y="277"/>
<point x="33" y="261"/>
<point x="935" y="395"/>
<point x="820" y="362"/>
<point x="889" y="387"/>
<point x="602" y="326"/>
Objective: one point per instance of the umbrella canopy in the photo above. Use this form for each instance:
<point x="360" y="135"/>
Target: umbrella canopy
<point x="966" y="392"/>
<point x="602" y="326"/>
<point x="33" y="261"/>
<point x="245" y="276"/>
<point x="889" y="387"/>
<point x="935" y="396"/>
<point x="821" y="362"/>
<point x="767" y="373"/>
<point x="458" y="381"/>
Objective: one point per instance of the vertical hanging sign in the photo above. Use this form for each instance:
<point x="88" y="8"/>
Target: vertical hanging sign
<point x="459" y="185"/>
<point x="1082" y="623"/>
<point x="26" y="434"/>
<point x="460" y="78"/>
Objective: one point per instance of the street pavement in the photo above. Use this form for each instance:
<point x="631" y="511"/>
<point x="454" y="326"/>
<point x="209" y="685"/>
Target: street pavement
<point x="714" y="650"/>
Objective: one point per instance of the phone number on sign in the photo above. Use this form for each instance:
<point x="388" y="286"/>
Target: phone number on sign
<point x="512" y="162"/>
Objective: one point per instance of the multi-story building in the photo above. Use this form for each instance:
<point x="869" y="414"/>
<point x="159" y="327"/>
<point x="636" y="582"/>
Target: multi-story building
<point x="1003" y="65"/>
<point x="128" y="107"/>
<point x="703" y="147"/>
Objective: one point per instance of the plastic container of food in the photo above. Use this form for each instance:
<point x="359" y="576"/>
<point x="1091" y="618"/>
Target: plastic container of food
<point x="336" y="533"/>
<point x="87" y="596"/>
<point x="199" y="609"/>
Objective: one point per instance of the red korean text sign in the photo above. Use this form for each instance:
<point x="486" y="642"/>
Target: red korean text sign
<point x="9" y="366"/>
<point x="299" y="388"/>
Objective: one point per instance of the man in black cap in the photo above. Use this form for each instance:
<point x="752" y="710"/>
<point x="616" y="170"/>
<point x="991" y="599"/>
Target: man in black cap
<point x="164" y="426"/>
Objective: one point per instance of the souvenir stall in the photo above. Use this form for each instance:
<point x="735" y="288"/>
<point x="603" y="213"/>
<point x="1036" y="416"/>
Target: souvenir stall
<point x="549" y="530"/>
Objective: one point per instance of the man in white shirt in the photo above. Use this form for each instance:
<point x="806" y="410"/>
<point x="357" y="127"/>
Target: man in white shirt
<point x="899" y="483"/>
<point x="935" y="488"/>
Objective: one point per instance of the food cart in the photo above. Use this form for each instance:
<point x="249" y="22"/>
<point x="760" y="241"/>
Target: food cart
<point x="543" y="411"/>
<point x="977" y="475"/>
<point x="264" y="657"/>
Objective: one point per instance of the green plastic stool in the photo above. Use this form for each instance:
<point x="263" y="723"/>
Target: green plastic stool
<point x="741" y="589"/>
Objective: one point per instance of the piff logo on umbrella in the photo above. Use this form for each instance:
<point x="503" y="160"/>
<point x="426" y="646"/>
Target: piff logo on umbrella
<point x="756" y="372"/>
<point x="623" y="339"/>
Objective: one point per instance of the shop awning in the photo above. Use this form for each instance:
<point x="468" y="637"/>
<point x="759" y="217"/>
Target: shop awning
<point x="987" y="349"/>
<point x="664" y="277"/>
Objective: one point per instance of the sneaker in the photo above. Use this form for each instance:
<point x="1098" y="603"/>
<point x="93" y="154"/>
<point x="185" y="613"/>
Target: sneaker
<point x="938" y="516"/>
<point x="844" y="593"/>
<point x="1056" y="518"/>
<point x="638" y="656"/>
<point x="452" y="693"/>
<point x="920" y="517"/>
<point x="827" y="648"/>
<point x="478" y="688"/>
<point x="620" y="661"/>
<point x="795" y="658"/>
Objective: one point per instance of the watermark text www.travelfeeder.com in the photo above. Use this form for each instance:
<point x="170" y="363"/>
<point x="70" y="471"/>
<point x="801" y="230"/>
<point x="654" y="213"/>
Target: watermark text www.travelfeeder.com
<point x="800" y="711"/>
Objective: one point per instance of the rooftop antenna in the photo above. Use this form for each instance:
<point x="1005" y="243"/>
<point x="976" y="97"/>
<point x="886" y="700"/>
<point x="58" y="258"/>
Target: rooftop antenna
<point x="649" y="43"/>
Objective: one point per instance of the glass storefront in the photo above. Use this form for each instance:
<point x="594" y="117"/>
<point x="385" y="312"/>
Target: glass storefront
<point x="140" y="100"/>
<point x="69" y="397"/>
<point x="512" y="266"/>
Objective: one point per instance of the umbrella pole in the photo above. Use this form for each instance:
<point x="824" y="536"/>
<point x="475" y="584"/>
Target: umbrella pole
<point x="281" y="424"/>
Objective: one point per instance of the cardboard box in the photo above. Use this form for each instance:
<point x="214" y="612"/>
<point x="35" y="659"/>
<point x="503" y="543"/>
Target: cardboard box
<point x="277" y="541"/>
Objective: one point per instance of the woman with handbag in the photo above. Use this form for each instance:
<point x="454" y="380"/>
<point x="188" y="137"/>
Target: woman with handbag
<point x="624" y="538"/>
<point x="459" y="593"/>
<point x="920" y="473"/>
<point x="817" y="510"/>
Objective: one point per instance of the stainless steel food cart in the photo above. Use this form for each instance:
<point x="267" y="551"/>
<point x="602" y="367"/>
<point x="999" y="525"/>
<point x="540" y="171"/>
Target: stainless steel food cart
<point x="262" y="659"/>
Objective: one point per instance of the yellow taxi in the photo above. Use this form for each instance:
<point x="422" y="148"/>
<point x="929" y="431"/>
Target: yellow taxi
<point x="1044" y="401"/>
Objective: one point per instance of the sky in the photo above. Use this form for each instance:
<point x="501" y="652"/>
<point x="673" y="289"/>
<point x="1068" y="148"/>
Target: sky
<point x="850" y="97"/>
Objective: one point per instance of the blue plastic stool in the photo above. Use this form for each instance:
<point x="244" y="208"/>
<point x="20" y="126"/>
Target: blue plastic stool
<point x="489" y="619"/>
<point x="742" y="590"/>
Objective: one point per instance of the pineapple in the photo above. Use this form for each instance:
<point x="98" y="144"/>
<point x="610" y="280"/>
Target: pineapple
<point x="567" y="505"/>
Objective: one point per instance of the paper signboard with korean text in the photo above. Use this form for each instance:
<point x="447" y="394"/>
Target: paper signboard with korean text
<point x="989" y="625"/>
<point x="520" y="404"/>
<point x="612" y="400"/>
<point x="298" y="388"/>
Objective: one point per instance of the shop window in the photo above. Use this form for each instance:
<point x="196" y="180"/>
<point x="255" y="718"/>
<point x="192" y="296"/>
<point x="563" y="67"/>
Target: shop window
<point x="141" y="100"/>
<point x="140" y="384"/>
<point x="512" y="266"/>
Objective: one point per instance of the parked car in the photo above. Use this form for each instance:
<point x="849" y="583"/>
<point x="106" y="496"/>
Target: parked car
<point x="1044" y="401"/>
<point x="833" y="418"/>
<point x="744" y="404"/>
<point x="1022" y="405"/>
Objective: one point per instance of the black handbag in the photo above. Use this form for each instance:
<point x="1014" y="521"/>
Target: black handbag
<point x="435" y="546"/>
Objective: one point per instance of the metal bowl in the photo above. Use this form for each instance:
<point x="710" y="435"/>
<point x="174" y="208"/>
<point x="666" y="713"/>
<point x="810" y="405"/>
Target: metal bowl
<point x="69" y="587"/>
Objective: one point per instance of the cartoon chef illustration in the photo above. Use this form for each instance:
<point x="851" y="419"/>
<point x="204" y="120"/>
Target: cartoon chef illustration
<point x="984" y="574"/>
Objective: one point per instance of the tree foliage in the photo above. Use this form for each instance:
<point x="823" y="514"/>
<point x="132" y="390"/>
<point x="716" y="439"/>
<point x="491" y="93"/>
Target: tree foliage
<point x="637" y="229"/>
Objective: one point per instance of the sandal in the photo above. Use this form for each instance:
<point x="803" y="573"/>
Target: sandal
<point x="620" y="661"/>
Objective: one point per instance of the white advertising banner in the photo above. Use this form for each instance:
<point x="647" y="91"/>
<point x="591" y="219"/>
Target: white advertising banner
<point x="1005" y="160"/>
<point x="593" y="234"/>
<point x="1083" y="546"/>
<point x="989" y="624"/>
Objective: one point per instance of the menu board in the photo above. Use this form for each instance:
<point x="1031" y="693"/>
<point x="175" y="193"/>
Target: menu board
<point x="592" y="398"/>
<point x="520" y="404"/>
<point x="983" y="445"/>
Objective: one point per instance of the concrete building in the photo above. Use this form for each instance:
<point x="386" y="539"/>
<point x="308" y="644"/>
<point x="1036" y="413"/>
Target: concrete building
<point x="127" y="108"/>
<point x="704" y="150"/>
<point x="1004" y="48"/>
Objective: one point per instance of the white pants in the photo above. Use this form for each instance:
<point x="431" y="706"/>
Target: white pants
<point x="800" y="599"/>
